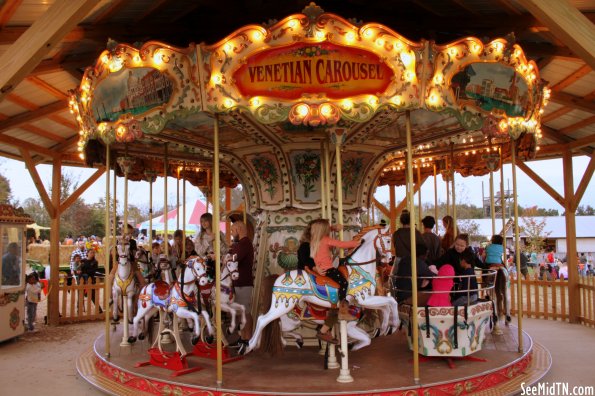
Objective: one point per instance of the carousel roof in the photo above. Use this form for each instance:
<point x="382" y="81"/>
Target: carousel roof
<point x="42" y="62"/>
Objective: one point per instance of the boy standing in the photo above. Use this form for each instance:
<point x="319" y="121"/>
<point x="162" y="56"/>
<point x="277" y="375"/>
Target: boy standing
<point x="32" y="298"/>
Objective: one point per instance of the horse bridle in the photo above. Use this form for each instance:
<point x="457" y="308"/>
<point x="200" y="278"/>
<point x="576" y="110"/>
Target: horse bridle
<point x="383" y="249"/>
<point x="229" y="272"/>
<point x="195" y="273"/>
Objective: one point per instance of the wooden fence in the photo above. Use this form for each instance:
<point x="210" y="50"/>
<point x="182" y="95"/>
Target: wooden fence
<point x="82" y="302"/>
<point x="543" y="299"/>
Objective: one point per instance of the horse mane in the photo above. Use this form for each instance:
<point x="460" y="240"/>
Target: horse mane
<point x="365" y="230"/>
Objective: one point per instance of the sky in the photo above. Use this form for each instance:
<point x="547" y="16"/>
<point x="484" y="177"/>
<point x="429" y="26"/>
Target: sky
<point x="468" y="190"/>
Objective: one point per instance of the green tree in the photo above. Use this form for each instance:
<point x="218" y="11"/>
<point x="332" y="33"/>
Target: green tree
<point x="5" y="191"/>
<point x="534" y="231"/>
<point x="585" y="210"/>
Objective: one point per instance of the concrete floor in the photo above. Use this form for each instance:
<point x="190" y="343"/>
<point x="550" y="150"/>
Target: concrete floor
<point x="572" y="347"/>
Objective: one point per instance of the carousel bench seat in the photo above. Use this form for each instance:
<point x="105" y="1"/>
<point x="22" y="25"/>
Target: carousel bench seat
<point x="439" y="336"/>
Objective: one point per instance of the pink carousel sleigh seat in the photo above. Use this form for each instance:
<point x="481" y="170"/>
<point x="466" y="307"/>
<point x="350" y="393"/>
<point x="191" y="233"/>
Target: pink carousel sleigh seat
<point x="441" y="287"/>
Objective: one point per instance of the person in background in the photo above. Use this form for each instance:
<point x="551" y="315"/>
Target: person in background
<point x="431" y="240"/>
<point x="32" y="298"/>
<point x="189" y="248"/>
<point x="447" y="240"/>
<point x="204" y="243"/>
<point x="402" y="237"/>
<point x="11" y="266"/>
<point x="77" y="268"/>
<point x="403" y="278"/>
<point x="244" y="285"/>
<point x="89" y="267"/>
<point x="81" y="251"/>
<point x="69" y="240"/>
<point x="493" y="252"/>
<point x="441" y="287"/>
<point x="303" y="253"/>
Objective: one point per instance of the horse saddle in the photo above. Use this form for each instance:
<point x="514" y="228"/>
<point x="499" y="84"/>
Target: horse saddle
<point x="325" y="280"/>
<point x="161" y="290"/>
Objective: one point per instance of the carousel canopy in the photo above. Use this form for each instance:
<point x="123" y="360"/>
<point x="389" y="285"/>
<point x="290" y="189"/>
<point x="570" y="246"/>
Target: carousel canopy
<point x="290" y="83"/>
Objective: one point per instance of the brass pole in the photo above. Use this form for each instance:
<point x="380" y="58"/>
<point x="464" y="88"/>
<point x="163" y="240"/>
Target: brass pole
<point x="178" y="199"/>
<point x="436" y="197"/>
<point x="418" y="200"/>
<point x="183" y="255"/>
<point x="373" y="214"/>
<point x="502" y="199"/>
<point x="209" y="186"/>
<point x="339" y="187"/>
<point x="165" y="227"/>
<point x="492" y="203"/>
<point x="323" y="208"/>
<point x="454" y="201"/>
<point x="151" y="213"/>
<point x="414" y="325"/>
<point x="115" y="216"/>
<point x="327" y="177"/>
<point x="215" y="195"/>
<point x="517" y="249"/>
<point x="107" y="250"/>
<point x="447" y="182"/>
<point x="227" y="221"/>
<point x="126" y="314"/>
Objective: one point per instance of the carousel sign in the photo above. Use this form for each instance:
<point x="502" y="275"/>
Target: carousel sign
<point x="334" y="70"/>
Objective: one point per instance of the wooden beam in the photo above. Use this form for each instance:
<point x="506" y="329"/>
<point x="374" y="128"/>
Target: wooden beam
<point x="574" y="301"/>
<point x="572" y="78"/>
<point x="381" y="207"/>
<point x="79" y="191"/>
<point x="555" y="114"/>
<point x="541" y="183"/>
<point x="109" y="11"/>
<point x="38" y="183"/>
<point x="10" y="34"/>
<point x="575" y="102"/>
<point x="24" y="103"/>
<point x="155" y="6"/>
<point x="64" y="146"/>
<point x="568" y="24"/>
<point x="31" y="116"/>
<point x="510" y="9"/>
<point x="21" y="144"/>
<point x="64" y="122"/>
<point x="582" y="187"/>
<point x="580" y="143"/>
<point x="53" y="296"/>
<point x="7" y="11"/>
<point x="42" y="132"/>
<point x="22" y="57"/>
<point x="47" y="87"/>
<point x="578" y="125"/>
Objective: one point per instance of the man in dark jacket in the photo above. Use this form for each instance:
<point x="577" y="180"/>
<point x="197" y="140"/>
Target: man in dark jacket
<point x="403" y="278"/>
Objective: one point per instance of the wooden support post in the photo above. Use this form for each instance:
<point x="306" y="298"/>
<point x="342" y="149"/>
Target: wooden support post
<point x="573" y="290"/>
<point x="517" y="251"/>
<point x="215" y="195"/>
<point x="419" y="209"/>
<point x="54" y="296"/>
<point x="393" y="213"/>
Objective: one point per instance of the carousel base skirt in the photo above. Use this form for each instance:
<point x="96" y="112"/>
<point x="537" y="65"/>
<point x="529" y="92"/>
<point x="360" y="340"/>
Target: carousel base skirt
<point x="383" y="368"/>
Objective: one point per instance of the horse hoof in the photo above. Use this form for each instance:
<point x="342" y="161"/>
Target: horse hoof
<point x="195" y="340"/>
<point x="242" y="349"/>
<point x="508" y="319"/>
<point x="116" y="318"/>
<point x="209" y="339"/>
<point x="299" y="343"/>
<point x="141" y="336"/>
<point x="132" y="339"/>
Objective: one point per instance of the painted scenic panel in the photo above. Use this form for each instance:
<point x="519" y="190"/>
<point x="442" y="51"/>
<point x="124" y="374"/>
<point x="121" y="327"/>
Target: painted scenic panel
<point x="305" y="174"/>
<point x="268" y="173"/>
<point x="132" y="91"/>
<point x="492" y="86"/>
<point x="353" y="165"/>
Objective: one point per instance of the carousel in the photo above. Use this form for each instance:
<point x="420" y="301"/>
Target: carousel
<point x="309" y="114"/>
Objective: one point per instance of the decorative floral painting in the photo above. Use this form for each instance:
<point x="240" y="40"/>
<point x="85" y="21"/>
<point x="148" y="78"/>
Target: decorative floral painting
<point x="305" y="174"/>
<point x="352" y="169"/>
<point x="267" y="169"/>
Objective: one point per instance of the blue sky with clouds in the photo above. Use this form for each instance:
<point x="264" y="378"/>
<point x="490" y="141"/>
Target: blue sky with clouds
<point x="468" y="190"/>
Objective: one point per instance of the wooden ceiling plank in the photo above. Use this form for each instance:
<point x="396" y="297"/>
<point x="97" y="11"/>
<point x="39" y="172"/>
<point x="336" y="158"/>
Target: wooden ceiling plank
<point x="575" y="102"/>
<point x="572" y="78"/>
<point x="64" y="122"/>
<point x="8" y="9"/>
<point x="582" y="187"/>
<point x="21" y="144"/>
<point x="31" y="116"/>
<point x="109" y="11"/>
<point x="82" y="188"/>
<point x="509" y="8"/>
<point x="26" y="53"/>
<point x="580" y="143"/>
<point x="47" y="87"/>
<point x="556" y="114"/>
<point x="24" y="103"/>
<point x="578" y="125"/>
<point x="464" y="6"/>
<point x="42" y="132"/>
<point x="155" y="6"/>
<point x="540" y="182"/>
<point x="38" y="184"/>
<point x="64" y="146"/>
<point x="10" y="34"/>
<point x="568" y="24"/>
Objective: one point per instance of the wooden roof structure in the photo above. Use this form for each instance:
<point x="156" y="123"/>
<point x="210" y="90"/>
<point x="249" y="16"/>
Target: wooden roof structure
<point x="45" y="47"/>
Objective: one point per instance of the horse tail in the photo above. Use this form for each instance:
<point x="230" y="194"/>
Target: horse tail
<point x="501" y="292"/>
<point x="271" y="335"/>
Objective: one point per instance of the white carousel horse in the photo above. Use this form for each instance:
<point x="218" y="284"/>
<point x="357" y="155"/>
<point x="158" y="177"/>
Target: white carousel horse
<point x="299" y="287"/>
<point x="292" y="321"/>
<point x="124" y="282"/>
<point x="178" y="298"/>
<point x="229" y="273"/>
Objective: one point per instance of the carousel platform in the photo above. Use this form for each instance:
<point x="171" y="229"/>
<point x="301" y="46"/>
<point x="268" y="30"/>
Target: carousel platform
<point x="383" y="368"/>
